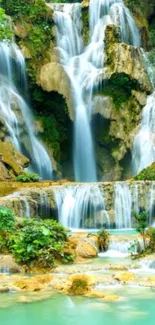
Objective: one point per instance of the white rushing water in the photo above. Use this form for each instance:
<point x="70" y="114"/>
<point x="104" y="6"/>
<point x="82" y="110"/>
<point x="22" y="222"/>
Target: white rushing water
<point x="84" y="65"/>
<point x="123" y="204"/>
<point x="15" y="111"/>
<point x="144" y="143"/>
<point x="79" y="204"/>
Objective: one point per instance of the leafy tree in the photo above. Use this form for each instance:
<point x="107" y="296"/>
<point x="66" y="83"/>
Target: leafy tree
<point x="141" y="220"/>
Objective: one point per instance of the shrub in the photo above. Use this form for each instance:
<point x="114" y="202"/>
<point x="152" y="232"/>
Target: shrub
<point x="27" y="178"/>
<point x="42" y="241"/>
<point x="7" y="219"/>
<point x="103" y="240"/>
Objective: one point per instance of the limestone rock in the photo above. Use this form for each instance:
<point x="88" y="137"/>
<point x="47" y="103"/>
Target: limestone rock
<point x="126" y="60"/>
<point x="29" y="285"/>
<point x="124" y="277"/>
<point x="12" y="160"/>
<point x="21" y="29"/>
<point x="54" y="78"/>
<point x="7" y="262"/>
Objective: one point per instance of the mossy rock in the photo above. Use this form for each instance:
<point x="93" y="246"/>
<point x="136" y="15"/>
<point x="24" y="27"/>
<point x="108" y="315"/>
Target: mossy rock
<point x="147" y="173"/>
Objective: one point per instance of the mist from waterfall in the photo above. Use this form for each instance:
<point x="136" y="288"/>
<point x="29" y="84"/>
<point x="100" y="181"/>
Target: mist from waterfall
<point x="15" y="111"/>
<point x="84" y="66"/>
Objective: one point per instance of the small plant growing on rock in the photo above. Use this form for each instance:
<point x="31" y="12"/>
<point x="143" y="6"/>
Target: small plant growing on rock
<point x="103" y="240"/>
<point x="27" y="178"/>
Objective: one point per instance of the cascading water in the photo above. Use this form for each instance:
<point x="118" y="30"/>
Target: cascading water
<point x="144" y="143"/>
<point x="81" y="206"/>
<point x="123" y="204"/>
<point x="85" y="65"/>
<point x="16" y="113"/>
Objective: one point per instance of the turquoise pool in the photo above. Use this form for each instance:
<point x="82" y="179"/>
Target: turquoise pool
<point x="135" y="307"/>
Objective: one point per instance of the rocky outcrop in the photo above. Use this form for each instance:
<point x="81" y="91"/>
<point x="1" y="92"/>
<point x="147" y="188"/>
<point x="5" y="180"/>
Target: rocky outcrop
<point x="11" y="161"/>
<point x="123" y="59"/>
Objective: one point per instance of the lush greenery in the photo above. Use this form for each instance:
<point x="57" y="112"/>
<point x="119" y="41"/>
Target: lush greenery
<point x="151" y="234"/>
<point x="141" y="224"/>
<point x="7" y="226"/>
<point x="146" y="174"/>
<point x="103" y="240"/>
<point x="33" y="20"/>
<point x="33" y="242"/>
<point x="5" y="28"/>
<point x="119" y="88"/>
<point x="35" y="9"/>
<point x="28" y="178"/>
<point x="51" y="111"/>
<point x="7" y="219"/>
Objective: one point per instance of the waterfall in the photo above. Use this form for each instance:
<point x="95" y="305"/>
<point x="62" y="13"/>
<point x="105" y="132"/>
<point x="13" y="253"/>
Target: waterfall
<point x="15" y="112"/>
<point x="143" y="153"/>
<point x="123" y="204"/>
<point x="84" y="65"/>
<point x="81" y="206"/>
<point x="152" y="205"/>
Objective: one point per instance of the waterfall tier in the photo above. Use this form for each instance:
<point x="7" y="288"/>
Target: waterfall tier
<point x="86" y="206"/>
<point x="84" y="67"/>
<point x="15" y="114"/>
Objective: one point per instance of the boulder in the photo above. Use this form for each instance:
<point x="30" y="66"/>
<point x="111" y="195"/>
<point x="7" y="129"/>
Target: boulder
<point x="11" y="161"/>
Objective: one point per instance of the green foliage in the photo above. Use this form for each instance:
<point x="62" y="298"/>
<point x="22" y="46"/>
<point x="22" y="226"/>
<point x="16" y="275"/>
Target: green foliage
<point x="27" y="178"/>
<point x="7" y="219"/>
<point x="141" y="220"/>
<point x="42" y="241"/>
<point x="51" y="134"/>
<point x="119" y="89"/>
<point x="146" y="174"/>
<point x="5" y="29"/>
<point x="151" y="234"/>
<point x="34" y="9"/>
<point x="103" y="240"/>
<point x="51" y="111"/>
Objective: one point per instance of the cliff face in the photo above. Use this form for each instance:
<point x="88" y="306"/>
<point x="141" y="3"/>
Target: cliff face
<point x="117" y="107"/>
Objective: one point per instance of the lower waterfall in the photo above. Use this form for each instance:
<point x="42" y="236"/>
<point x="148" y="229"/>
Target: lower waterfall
<point x="81" y="206"/>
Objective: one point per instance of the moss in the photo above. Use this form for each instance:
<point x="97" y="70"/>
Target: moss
<point x="146" y="174"/>
<point x="35" y="15"/>
<point x="119" y="88"/>
<point x="85" y="20"/>
<point x="51" y="110"/>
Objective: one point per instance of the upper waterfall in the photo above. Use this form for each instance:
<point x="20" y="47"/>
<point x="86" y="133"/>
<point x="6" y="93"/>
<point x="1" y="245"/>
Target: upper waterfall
<point x="84" y="65"/>
<point x="15" y="111"/>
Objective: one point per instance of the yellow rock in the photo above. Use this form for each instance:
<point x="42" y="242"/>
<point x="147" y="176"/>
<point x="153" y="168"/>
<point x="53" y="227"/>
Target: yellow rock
<point x="29" y="285"/>
<point x="124" y="276"/>
<point x="111" y="298"/>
